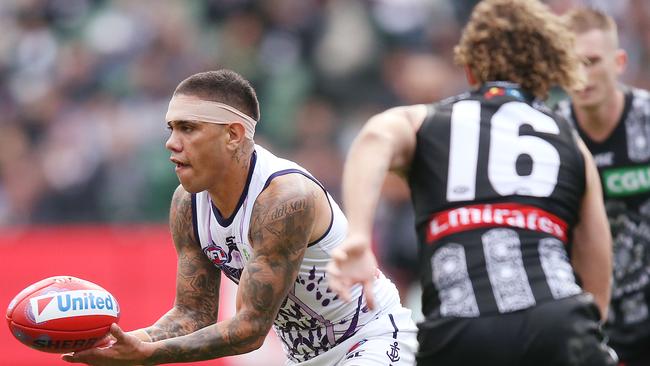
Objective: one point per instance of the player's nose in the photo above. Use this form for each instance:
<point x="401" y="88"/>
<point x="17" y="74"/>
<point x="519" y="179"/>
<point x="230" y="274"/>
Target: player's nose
<point x="173" y="143"/>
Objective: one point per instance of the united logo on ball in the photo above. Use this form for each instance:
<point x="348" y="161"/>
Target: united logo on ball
<point x="62" y="314"/>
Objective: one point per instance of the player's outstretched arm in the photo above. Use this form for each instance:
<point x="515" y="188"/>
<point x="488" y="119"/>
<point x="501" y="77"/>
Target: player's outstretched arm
<point x="197" y="279"/>
<point x="592" y="240"/>
<point x="195" y="307"/>
<point x="386" y="143"/>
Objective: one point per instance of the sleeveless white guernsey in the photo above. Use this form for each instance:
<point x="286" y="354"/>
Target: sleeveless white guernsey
<point x="312" y="319"/>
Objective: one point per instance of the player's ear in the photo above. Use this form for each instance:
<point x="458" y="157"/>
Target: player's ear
<point x="236" y="133"/>
<point x="621" y="61"/>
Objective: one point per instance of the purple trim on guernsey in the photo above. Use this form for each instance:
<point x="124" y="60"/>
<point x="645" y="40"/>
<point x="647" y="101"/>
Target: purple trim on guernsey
<point x="195" y="223"/>
<point x="225" y="222"/>
<point x="352" y="329"/>
<point x="291" y="171"/>
<point x="392" y="320"/>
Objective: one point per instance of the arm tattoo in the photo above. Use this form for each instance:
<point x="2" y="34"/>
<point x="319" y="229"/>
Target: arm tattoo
<point x="197" y="280"/>
<point x="281" y="223"/>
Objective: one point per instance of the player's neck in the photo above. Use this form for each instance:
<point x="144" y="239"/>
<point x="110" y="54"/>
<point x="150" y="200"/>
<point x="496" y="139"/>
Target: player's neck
<point x="226" y="193"/>
<point x="598" y="122"/>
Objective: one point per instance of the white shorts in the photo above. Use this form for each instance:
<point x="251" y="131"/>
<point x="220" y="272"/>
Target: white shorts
<point x="391" y="339"/>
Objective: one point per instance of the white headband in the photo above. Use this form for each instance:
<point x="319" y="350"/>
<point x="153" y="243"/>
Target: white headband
<point x="188" y="108"/>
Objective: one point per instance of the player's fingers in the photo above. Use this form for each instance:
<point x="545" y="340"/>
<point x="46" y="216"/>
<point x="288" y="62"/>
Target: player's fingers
<point x="335" y="284"/>
<point x="339" y="255"/>
<point x="117" y="333"/>
<point x="68" y="357"/>
<point x="77" y="357"/>
<point x="333" y="271"/>
<point x="337" y="281"/>
<point x="340" y="288"/>
<point x="344" y="295"/>
<point x="106" y="342"/>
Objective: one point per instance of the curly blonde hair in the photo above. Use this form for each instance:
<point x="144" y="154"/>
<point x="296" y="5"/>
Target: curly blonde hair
<point x="520" y="41"/>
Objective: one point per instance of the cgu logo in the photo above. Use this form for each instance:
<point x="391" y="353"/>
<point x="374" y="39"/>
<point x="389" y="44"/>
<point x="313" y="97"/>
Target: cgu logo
<point x="69" y="304"/>
<point x="626" y="181"/>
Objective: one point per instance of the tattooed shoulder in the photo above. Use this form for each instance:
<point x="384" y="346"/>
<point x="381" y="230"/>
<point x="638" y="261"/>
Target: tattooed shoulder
<point x="180" y="217"/>
<point x="285" y="211"/>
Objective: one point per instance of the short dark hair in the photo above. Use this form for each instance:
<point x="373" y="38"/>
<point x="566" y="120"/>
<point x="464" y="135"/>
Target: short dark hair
<point x="223" y="86"/>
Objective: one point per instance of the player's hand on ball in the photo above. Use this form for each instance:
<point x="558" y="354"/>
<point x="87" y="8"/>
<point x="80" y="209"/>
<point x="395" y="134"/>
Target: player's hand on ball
<point x="126" y="349"/>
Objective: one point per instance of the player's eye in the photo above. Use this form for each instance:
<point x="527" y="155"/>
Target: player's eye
<point x="590" y="61"/>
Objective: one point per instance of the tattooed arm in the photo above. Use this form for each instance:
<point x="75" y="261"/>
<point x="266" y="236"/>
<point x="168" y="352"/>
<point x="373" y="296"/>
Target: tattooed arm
<point x="281" y="224"/>
<point x="195" y="307"/>
<point x="197" y="279"/>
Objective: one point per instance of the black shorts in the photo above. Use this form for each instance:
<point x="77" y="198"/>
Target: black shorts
<point x="630" y="341"/>
<point x="635" y="353"/>
<point x="558" y="333"/>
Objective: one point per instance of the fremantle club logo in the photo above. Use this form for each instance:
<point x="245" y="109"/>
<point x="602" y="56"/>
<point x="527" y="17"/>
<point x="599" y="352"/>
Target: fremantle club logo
<point x="68" y="304"/>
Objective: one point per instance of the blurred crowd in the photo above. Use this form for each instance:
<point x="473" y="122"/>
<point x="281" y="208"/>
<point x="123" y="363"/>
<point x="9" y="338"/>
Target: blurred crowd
<point x="85" y="85"/>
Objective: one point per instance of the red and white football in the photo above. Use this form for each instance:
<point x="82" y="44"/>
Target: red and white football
<point x="62" y="314"/>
